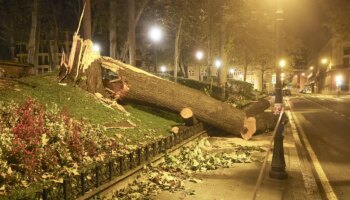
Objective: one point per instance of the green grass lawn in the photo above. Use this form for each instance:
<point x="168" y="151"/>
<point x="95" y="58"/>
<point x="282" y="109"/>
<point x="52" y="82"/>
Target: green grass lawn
<point x="79" y="104"/>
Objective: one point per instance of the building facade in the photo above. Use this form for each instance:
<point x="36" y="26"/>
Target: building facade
<point x="331" y="67"/>
<point x="64" y="43"/>
<point x="253" y="76"/>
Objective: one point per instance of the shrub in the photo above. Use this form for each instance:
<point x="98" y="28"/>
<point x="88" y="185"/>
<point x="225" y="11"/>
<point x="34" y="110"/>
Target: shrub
<point x="40" y="143"/>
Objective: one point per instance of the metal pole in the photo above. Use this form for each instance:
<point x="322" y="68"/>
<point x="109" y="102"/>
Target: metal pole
<point x="278" y="164"/>
<point x="155" y="58"/>
<point x="278" y="86"/>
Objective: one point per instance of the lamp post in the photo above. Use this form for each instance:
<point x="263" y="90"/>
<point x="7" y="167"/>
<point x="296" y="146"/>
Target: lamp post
<point x="278" y="164"/>
<point x="155" y="35"/>
<point x="279" y="63"/>
<point x="199" y="56"/>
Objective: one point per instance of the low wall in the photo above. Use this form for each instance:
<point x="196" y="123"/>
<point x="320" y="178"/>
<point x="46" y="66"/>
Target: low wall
<point x="15" y="70"/>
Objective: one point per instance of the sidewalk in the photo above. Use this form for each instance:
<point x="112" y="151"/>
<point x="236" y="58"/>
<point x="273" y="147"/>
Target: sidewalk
<point x="239" y="181"/>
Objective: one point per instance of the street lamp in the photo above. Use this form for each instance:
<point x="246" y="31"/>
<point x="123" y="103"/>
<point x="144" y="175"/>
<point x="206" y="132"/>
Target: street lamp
<point x="155" y="34"/>
<point x="231" y="71"/>
<point x="163" y="69"/>
<point x="338" y="83"/>
<point x="199" y="56"/>
<point x="324" y="61"/>
<point x="218" y="63"/>
<point x="282" y="63"/>
<point x="278" y="165"/>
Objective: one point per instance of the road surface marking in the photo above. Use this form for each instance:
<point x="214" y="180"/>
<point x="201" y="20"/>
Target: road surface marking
<point x="308" y="177"/>
<point x="324" y="107"/>
<point x="318" y="168"/>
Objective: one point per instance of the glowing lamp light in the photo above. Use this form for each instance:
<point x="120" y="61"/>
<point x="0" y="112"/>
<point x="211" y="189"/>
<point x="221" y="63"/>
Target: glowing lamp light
<point x="232" y="70"/>
<point x="218" y="63"/>
<point x="282" y="63"/>
<point x="338" y="80"/>
<point x="324" y="61"/>
<point x="163" y="69"/>
<point x="155" y="34"/>
<point x="312" y="67"/>
<point x="96" y="48"/>
<point x="199" y="55"/>
<point x="303" y="74"/>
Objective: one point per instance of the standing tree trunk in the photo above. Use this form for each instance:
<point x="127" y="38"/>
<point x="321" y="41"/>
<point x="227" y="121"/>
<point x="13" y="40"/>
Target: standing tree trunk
<point x="177" y="50"/>
<point x="245" y="71"/>
<point x="87" y="20"/>
<point x="33" y="33"/>
<point x="113" y="29"/>
<point x="124" y="50"/>
<point x="222" y="71"/>
<point x="262" y="78"/>
<point x="53" y="45"/>
<point x="37" y="46"/>
<point x="131" y="36"/>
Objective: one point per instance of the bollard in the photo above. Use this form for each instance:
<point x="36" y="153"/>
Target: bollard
<point x="278" y="164"/>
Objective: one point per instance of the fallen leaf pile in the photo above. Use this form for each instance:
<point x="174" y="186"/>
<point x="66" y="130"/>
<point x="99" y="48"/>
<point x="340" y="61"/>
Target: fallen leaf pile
<point x="170" y="175"/>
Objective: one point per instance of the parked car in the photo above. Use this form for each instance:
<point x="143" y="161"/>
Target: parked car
<point x="286" y="92"/>
<point x="306" y="90"/>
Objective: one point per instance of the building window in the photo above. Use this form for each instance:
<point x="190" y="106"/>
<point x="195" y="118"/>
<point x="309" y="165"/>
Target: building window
<point x="203" y="72"/>
<point x="190" y="72"/>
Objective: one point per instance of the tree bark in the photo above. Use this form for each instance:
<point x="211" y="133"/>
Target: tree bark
<point x="131" y="35"/>
<point x="37" y="45"/>
<point x="176" y="97"/>
<point x="33" y="33"/>
<point x="123" y="53"/>
<point x="257" y="107"/>
<point x="261" y="123"/>
<point x="222" y="71"/>
<point x="177" y="50"/>
<point x="113" y="29"/>
<point x="245" y="71"/>
<point x="87" y="20"/>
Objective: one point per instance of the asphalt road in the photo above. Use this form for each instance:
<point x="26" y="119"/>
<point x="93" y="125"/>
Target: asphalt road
<point x="325" y="121"/>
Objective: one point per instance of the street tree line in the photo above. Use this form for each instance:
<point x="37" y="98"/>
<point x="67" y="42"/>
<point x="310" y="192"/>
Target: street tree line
<point x="241" y="33"/>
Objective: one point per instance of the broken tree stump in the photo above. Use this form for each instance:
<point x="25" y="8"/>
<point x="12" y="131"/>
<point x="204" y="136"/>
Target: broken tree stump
<point x="188" y="117"/>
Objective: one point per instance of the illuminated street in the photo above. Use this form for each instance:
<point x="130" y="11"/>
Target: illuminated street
<point x="175" y="99"/>
<point x="325" y="120"/>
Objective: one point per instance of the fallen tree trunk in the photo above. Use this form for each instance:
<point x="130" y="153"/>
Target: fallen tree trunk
<point x="112" y="78"/>
<point x="261" y="123"/>
<point x="257" y="107"/>
<point x="148" y="88"/>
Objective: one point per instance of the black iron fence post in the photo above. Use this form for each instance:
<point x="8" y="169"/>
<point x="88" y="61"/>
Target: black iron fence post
<point x="278" y="164"/>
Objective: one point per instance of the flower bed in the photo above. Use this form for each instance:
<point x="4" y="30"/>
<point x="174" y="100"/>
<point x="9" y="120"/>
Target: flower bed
<point x="40" y="145"/>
